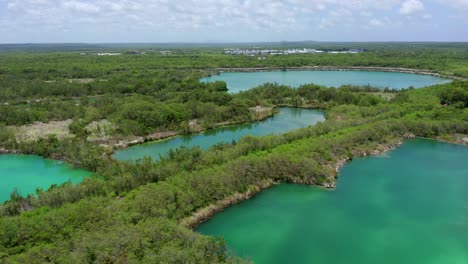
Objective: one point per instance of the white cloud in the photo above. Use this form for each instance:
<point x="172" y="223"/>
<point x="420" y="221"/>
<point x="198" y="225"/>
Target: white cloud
<point x="339" y="17"/>
<point x="321" y="7"/>
<point x="187" y="13"/>
<point x="80" y="6"/>
<point x="185" y="17"/>
<point x="410" y="7"/>
<point x="427" y="16"/>
<point x="376" y="22"/>
<point x="457" y="4"/>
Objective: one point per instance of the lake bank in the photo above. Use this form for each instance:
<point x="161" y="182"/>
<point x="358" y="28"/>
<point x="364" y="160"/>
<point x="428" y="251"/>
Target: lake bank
<point x="257" y="115"/>
<point x="205" y="214"/>
<point x="9" y="151"/>
<point x="239" y="81"/>
<point x="26" y="173"/>
<point x="285" y="120"/>
<point x="336" y="68"/>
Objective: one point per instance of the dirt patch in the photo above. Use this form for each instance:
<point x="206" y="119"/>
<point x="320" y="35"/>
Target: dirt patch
<point x="100" y="130"/>
<point x="261" y="112"/>
<point x="386" y="96"/>
<point x="39" y="130"/>
<point x="161" y="135"/>
<point x="135" y="140"/>
<point x="88" y="80"/>
<point x="195" y="126"/>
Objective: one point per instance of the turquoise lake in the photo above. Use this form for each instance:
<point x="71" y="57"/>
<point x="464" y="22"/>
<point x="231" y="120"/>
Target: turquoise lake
<point x="25" y="173"/>
<point x="287" y="119"/>
<point x="409" y="205"/>
<point x="242" y="81"/>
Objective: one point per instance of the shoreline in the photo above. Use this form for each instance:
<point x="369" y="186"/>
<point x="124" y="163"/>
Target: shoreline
<point x="206" y="213"/>
<point x="168" y="135"/>
<point x="339" y="68"/>
<point x="457" y="139"/>
<point x="201" y="216"/>
<point x="4" y="151"/>
<point x="9" y="151"/>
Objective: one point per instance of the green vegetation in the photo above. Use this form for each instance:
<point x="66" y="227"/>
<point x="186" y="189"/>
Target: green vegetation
<point x="131" y="212"/>
<point x="153" y="92"/>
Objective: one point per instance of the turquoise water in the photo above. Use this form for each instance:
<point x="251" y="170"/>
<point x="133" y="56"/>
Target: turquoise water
<point x="407" y="206"/>
<point x="242" y="81"/>
<point x="286" y="120"/>
<point x="26" y="173"/>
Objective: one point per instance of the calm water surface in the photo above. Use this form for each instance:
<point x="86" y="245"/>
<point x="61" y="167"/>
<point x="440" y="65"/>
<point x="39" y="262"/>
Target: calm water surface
<point x="26" y="173"/>
<point x="242" y="81"/>
<point x="286" y="120"/>
<point x="408" y="206"/>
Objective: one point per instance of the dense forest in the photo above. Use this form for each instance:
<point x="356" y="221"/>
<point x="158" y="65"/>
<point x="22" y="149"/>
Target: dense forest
<point x="143" y="211"/>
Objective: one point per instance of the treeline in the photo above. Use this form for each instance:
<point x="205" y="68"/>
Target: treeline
<point x="72" y="65"/>
<point x="19" y="88"/>
<point x="27" y="113"/>
<point x="78" y="152"/>
<point x="455" y="95"/>
<point x="315" y="96"/>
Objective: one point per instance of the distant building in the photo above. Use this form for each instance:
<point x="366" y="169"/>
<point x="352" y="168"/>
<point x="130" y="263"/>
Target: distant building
<point x="109" y="54"/>
<point x="261" y="52"/>
<point x="135" y="52"/>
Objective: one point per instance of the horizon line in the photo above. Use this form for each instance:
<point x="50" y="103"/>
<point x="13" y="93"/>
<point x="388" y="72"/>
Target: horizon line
<point x="232" y="42"/>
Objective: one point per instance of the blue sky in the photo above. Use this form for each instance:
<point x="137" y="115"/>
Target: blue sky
<point x="47" y="21"/>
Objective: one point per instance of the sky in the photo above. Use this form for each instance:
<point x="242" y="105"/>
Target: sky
<point x="128" y="21"/>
